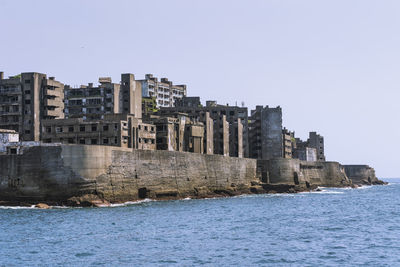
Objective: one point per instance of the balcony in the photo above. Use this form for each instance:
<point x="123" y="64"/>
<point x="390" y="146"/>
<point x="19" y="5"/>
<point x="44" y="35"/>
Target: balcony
<point x="52" y="113"/>
<point x="54" y="93"/>
<point x="15" y="90"/>
<point x="52" y="102"/>
<point x="11" y="112"/>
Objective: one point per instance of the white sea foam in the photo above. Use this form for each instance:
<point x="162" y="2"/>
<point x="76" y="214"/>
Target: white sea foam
<point x="17" y="207"/>
<point x="128" y="203"/>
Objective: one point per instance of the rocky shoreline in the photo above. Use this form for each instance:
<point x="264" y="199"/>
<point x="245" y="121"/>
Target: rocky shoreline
<point x="90" y="200"/>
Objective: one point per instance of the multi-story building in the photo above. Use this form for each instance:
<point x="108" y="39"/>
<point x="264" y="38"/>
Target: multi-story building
<point x="265" y="133"/>
<point x="27" y="99"/>
<point x="165" y="92"/>
<point x="230" y="124"/>
<point x="310" y="150"/>
<point x="178" y="133"/>
<point x="288" y="139"/>
<point x="93" y="102"/>
<point x="121" y="130"/>
<point x="89" y="102"/>
<point x="317" y="141"/>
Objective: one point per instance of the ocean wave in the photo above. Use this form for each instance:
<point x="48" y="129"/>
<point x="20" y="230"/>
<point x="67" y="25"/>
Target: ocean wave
<point x="17" y="207"/>
<point x="128" y="203"/>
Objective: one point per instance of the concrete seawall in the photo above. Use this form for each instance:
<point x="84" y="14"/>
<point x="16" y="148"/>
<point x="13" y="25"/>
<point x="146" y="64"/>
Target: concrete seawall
<point x="77" y="173"/>
<point x="362" y="174"/>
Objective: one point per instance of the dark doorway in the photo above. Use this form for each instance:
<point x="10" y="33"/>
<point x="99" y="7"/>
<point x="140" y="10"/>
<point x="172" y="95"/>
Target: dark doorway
<point x="142" y="192"/>
<point x="296" y="178"/>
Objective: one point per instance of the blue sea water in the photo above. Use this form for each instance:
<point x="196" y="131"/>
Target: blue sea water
<point x="328" y="228"/>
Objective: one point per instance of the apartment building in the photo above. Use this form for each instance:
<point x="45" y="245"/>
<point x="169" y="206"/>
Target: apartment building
<point x="230" y="124"/>
<point x="266" y="134"/>
<point x="178" y="133"/>
<point x="165" y="92"/>
<point x="28" y="98"/>
<point x="93" y="102"/>
<point x="120" y="130"/>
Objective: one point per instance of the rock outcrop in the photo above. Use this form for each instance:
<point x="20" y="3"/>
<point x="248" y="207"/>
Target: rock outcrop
<point x="362" y="175"/>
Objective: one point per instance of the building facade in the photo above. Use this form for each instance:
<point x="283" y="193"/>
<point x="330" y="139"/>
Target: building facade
<point x="89" y="102"/>
<point x="230" y="131"/>
<point x="178" y="133"/>
<point x="93" y="102"/>
<point x="165" y="92"/>
<point x="317" y="141"/>
<point x="120" y="130"/>
<point x="266" y="133"/>
<point x="305" y="153"/>
<point x="27" y="99"/>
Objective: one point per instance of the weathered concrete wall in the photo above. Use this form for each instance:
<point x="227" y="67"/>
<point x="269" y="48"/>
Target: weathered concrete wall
<point x="361" y="174"/>
<point x="303" y="173"/>
<point x="115" y="174"/>
<point x="57" y="173"/>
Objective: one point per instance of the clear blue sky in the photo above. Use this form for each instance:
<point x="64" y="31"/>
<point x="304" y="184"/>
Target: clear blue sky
<point x="333" y="66"/>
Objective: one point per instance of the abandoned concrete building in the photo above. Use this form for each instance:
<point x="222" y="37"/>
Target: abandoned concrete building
<point x="313" y="148"/>
<point x="89" y="102"/>
<point x="178" y="133"/>
<point x="266" y="133"/>
<point x="145" y="114"/>
<point x="317" y="141"/>
<point x="28" y="98"/>
<point x="113" y="130"/>
<point x="165" y="92"/>
<point x="288" y="139"/>
<point x="93" y="102"/>
<point x="230" y="131"/>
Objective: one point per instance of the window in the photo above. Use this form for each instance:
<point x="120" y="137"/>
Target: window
<point x="47" y="140"/>
<point x="70" y="140"/>
<point x="28" y="92"/>
<point x="27" y="131"/>
<point x="105" y="128"/>
<point x="82" y="141"/>
<point x="59" y="129"/>
<point x="116" y="126"/>
<point x="70" y="129"/>
<point x="27" y="101"/>
<point x="93" y="141"/>
<point x="94" y="128"/>
<point x="27" y="81"/>
<point x="115" y="140"/>
<point x="145" y="128"/>
<point x="152" y="141"/>
<point x="105" y="141"/>
<point x="140" y="140"/>
<point x="82" y="128"/>
<point x="152" y="128"/>
<point x="48" y="129"/>
<point x="146" y="141"/>
<point x="140" y="127"/>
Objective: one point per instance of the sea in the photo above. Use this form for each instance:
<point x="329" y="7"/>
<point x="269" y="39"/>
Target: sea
<point x="331" y="227"/>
